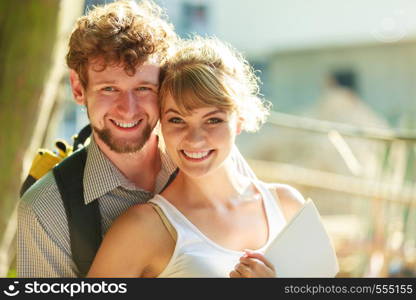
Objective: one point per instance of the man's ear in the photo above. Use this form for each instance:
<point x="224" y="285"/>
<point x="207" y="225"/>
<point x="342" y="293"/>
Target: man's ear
<point x="78" y="90"/>
<point x="240" y="122"/>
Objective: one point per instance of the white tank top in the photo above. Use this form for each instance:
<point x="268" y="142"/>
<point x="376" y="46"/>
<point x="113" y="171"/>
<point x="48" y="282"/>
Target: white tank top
<point x="195" y="255"/>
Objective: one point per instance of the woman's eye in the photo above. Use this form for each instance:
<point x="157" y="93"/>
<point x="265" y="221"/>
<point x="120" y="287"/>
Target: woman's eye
<point x="175" y="120"/>
<point x="214" y="121"/>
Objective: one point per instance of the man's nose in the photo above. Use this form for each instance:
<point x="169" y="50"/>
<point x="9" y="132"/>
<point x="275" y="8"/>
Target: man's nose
<point x="127" y="102"/>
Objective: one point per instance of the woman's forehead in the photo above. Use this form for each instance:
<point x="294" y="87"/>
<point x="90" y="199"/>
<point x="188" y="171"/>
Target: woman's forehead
<point x="171" y="106"/>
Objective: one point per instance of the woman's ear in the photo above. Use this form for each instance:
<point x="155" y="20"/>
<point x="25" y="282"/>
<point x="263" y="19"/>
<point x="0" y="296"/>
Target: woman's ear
<point x="77" y="89"/>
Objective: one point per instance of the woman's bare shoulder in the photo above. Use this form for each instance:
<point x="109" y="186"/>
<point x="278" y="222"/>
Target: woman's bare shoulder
<point x="288" y="198"/>
<point x="140" y="218"/>
<point x="118" y="254"/>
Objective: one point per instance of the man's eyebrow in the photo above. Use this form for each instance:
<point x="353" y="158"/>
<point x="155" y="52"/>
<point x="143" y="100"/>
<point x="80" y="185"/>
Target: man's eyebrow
<point x="155" y="84"/>
<point x="105" y="81"/>
<point x="109" y="81"/>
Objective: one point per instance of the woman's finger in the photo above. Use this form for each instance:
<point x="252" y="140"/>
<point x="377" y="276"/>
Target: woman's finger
<point x="235" y="274"/>
<point x="244" y="270"/>
<point x="257" y="255"/>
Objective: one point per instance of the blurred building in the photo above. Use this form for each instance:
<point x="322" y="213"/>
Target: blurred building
<point x="383" y="75"/>
<point x="298" y="44"/>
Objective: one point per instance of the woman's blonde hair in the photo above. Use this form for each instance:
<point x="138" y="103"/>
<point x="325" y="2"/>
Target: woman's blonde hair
<point x="207" y="72"/>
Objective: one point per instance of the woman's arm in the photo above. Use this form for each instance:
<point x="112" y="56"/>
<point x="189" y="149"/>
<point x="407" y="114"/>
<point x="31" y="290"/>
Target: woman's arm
<point x="130" y="245"/>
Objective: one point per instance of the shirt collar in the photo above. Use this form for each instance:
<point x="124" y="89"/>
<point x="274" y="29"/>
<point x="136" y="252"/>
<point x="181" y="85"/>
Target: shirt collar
<point x="102" y="176"/>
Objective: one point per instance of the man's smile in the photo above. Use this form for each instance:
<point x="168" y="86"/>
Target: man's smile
<point x="127" y="126"/>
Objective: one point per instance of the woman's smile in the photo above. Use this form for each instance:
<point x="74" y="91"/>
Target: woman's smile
<point x="196" y="156"/>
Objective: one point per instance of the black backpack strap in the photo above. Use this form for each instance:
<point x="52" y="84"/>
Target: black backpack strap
<point x="29" y="181"/>
<point x="82" y="136"/>
<point x="84" y="221"/>
<point x="171" y="178"/>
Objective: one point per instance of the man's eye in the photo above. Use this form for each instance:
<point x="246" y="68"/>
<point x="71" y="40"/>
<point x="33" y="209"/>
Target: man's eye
<point x="143" y="88"/>
<point x="175" y="120"/>
<point x="214" y="121"/>
<point x="108" y="89"/>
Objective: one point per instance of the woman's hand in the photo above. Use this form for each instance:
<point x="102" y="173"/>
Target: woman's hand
<point x="253" y="264"/>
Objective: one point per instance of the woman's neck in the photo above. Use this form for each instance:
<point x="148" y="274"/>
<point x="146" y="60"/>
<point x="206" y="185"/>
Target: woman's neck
<point x="223" y="187"/>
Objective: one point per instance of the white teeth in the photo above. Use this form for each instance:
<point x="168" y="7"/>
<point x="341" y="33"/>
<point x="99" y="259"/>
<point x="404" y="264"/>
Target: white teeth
<point x="196" y="154"/>
<point x="126" y="125"/>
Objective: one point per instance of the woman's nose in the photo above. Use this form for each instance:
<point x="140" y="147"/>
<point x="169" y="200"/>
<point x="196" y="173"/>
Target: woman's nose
<point x="195" y="136"/>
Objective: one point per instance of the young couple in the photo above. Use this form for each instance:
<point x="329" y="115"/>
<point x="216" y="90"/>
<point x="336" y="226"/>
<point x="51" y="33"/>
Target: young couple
<point x="211" y="220"/>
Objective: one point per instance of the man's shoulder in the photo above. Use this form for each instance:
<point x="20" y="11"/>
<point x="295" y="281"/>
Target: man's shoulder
<point x="45" y="190"/>
<point x="43" y="194"/>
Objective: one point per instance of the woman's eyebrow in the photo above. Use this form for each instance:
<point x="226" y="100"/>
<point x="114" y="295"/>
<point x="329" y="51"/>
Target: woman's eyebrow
<point x="204" y="116"/>
<point x="172" y="110"/>
<point x="214" y="112"/>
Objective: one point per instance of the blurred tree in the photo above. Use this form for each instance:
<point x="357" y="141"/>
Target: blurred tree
<point x="33" y="35"/>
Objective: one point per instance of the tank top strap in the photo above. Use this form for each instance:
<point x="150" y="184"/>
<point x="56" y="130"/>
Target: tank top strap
<point x="274" y="213"/>
<point x="170" y="213"/>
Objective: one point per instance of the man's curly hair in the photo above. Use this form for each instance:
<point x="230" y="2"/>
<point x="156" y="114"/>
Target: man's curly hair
<point x="123" y="32"/>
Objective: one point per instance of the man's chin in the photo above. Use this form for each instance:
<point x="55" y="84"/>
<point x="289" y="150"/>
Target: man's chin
<point x="122" y="145"/>
<point x="125" y="147"/>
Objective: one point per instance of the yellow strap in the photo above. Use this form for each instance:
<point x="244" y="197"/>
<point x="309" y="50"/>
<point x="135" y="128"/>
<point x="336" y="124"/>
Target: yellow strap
<point x="45" y="159"/>
<point x="165" y="221"/>
<point x="43" y="162"/>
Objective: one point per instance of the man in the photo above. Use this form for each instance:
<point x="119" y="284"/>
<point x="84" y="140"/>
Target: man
<point x="114" y="56"/>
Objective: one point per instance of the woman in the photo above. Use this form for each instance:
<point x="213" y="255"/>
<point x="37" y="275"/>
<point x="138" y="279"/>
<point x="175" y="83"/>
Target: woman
<point x="209" y="94"/>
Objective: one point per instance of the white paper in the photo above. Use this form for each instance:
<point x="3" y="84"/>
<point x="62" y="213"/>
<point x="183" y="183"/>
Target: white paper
<point x="303" y="247"/>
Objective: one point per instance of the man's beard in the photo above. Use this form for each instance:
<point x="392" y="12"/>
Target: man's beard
<point x="120" y="145"/>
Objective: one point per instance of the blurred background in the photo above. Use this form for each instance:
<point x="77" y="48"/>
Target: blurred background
<point x="341" y="76"/>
